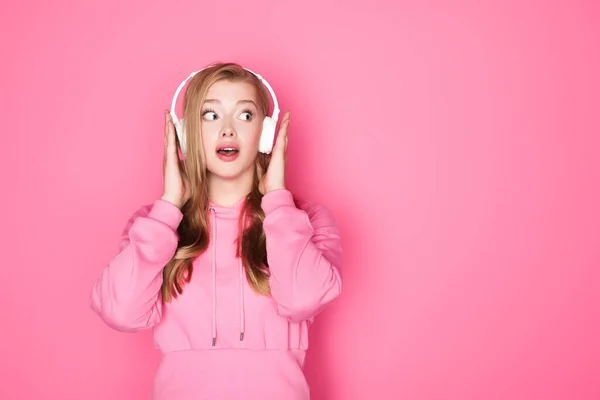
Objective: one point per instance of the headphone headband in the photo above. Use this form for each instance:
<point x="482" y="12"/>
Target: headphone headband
<point x="274" y="117"/>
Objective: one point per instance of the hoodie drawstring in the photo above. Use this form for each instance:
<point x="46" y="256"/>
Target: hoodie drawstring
<point x="214" y="285"/>
<point x="214" y="278"/>
<point x="242" y="314"/>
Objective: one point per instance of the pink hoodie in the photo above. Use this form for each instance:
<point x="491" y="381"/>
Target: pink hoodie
<point x="219" y="339"/>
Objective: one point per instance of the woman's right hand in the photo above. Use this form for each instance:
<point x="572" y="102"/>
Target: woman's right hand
<point x="174" y="187"/>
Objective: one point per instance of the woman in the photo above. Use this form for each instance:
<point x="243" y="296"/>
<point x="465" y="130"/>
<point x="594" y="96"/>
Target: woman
<point x="226" y="267"/>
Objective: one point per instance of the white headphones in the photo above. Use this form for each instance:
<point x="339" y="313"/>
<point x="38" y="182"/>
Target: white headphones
<point x="267" y="135"/>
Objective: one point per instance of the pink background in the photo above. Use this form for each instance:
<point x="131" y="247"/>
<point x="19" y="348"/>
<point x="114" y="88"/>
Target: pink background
<point x="456" y="143"/>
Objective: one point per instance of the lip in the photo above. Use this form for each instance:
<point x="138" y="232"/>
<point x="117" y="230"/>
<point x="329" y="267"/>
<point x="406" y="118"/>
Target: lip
<point x="222" y="146"/>
<point x="228" y="158"/>
<point x="231" y="157"/>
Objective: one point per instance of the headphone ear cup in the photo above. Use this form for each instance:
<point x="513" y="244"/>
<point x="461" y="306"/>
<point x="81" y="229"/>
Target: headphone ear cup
<point x="180" y="130"/>
<point x="267" y="135"/>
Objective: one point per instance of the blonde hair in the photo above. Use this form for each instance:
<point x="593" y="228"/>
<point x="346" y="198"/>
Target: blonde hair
<point x="194" y="229"/>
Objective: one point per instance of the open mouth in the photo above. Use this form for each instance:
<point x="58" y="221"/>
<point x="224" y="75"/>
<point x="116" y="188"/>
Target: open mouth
<point x="228" y="151"/>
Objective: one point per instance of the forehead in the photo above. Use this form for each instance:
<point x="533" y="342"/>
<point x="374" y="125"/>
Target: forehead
<point x="234" y="91"/>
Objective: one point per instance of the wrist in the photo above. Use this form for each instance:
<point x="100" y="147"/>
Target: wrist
<point x="169" y="199"/>
<point x="274" y="188"/>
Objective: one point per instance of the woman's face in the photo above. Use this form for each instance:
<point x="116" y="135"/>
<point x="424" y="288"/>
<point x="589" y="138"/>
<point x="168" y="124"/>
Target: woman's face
<point x="231" y="127"/>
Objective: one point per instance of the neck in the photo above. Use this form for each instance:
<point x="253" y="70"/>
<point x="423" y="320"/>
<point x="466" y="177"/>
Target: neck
<point x="226" y="192"/>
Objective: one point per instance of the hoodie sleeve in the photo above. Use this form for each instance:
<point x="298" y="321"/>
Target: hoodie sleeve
<point x="304" y="255"/>
<point x="127" y="294"/>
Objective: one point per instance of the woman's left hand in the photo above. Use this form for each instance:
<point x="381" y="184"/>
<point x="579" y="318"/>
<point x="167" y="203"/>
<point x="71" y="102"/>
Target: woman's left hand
<point x="274" y="178"/>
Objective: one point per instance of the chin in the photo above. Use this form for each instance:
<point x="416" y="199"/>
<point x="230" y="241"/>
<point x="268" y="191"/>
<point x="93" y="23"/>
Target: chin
<point x="226" y="176"/>
<point x="230" y="172"/>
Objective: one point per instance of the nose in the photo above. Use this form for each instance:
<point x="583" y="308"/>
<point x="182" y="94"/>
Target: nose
<point x="228" y="132"/>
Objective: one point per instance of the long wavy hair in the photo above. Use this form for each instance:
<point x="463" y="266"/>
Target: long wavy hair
<point x="194" y="228"/>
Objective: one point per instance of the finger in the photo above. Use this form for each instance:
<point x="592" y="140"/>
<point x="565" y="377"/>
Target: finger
<point x="285" y="123"/>
<point x="170" y="128"/>
<point x="286" y="134"/>
<point x="170" y="141"/>
<point x="283" y="131"/>
<point x="167" y="120"/>
<point x="165" y="137"/>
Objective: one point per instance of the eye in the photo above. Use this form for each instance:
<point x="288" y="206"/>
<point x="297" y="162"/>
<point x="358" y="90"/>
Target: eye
<point x="209" y="115"/>
<point x="246" y="115"/>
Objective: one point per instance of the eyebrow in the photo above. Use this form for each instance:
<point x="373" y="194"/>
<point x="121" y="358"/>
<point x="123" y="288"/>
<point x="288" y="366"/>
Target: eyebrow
<point x="239" y="102"/>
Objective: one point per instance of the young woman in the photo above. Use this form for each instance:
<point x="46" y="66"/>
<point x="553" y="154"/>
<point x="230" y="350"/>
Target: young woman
<point x="226" y="267"/>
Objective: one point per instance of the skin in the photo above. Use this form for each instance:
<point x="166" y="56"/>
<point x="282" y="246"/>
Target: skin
<point x="230" y="117"/>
